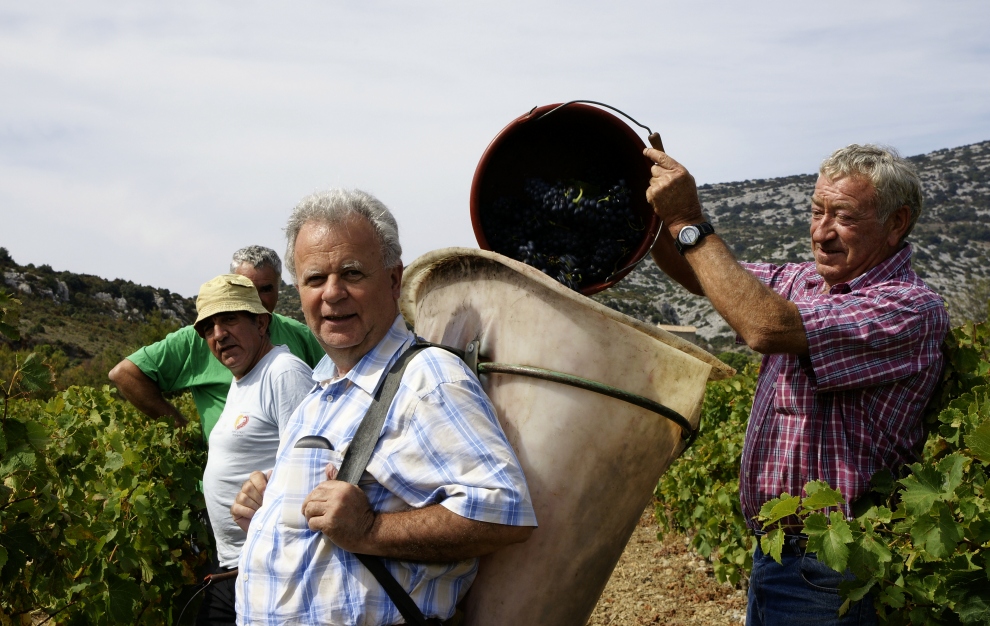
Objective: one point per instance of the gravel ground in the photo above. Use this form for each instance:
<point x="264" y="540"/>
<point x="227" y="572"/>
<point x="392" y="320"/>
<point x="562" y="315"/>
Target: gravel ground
<point x="664" y="582"/>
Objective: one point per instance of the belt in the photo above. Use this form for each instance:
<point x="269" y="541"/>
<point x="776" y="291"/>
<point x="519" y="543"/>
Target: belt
<point x="222" y="573"/>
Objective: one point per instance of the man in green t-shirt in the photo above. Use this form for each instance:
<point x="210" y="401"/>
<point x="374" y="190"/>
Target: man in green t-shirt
<point x="182" y="360"/>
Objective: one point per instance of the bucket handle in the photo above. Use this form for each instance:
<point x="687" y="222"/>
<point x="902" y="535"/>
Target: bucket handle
<point x="653" y="137"/>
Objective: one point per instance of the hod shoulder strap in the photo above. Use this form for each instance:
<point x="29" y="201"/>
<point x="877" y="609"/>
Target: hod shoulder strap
<point x="356" y="461"/>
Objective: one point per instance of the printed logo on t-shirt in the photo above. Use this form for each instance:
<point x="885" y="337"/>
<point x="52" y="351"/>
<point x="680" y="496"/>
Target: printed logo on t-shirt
<point x="240" y="422"/>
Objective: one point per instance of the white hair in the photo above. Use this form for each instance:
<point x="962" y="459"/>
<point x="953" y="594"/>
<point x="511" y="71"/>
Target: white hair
<point x="335" y="206"/>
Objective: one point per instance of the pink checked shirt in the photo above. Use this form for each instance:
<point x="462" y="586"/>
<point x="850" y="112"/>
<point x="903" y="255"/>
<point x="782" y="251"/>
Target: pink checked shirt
<point x="853" y="406"/>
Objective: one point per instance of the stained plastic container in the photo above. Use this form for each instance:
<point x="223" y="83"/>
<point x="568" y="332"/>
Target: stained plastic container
<point x="565" y="142"/>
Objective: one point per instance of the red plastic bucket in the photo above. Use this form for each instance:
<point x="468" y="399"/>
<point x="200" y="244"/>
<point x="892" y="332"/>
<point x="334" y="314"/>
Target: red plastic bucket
<point x="561" y="142"/>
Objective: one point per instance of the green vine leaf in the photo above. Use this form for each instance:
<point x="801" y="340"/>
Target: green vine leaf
<point x="36" y="376"/>
<point x="855" y="591"/>
<point x="921" y="489"/>
<point x="772" y="544"/>
<point x="37" y="435"/>
<point x="784" y="506"/>
<point x="829" y="541"/>
<point x="952" y="468"/>
<point x="938" y="532"/>
<point x="123" y="594"/>
<point x="882" y="482"/>
<point x="970" y="592"/>
<point x="892" y="596"/>
<point x="978" y="442"/>
<point x="868" y="554"/>
<point x="821" y="496"/>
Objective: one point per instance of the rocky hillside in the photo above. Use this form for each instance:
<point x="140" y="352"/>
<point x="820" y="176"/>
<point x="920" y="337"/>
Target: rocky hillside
<point x="77" y="293"/>
<point x="768" y="220"/>
<point x="84" y="315"/>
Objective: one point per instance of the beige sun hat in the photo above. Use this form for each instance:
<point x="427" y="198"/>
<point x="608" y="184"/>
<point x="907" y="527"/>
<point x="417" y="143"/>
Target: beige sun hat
<point x="227" y="293"/>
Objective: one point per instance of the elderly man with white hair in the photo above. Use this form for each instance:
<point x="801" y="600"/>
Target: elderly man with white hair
<point x="442" y="486"/>
<point x="851" y="353"/>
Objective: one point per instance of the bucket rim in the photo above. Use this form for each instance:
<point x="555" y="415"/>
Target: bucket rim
<point x="535" y="114"/>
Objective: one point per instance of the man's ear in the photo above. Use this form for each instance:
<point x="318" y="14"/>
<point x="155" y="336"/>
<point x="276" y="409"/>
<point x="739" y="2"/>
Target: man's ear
<point x="264" y="322"/>
<point x="898" y="225"/>
<point x="395" y="275"/>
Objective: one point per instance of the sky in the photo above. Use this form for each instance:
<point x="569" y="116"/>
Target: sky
<point x="149" y="140"/>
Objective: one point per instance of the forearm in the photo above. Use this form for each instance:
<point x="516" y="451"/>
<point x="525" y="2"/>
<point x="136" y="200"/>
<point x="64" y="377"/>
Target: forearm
<point x="143" y="393"/>
<point x="436" y="535"/>
<point x="670" y="261"/>
<point x="767" y="322"/>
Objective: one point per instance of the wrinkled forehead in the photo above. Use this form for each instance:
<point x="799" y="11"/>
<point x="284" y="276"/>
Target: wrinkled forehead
<point x="848" y="190"/>
<point x="263" y="275"/>
<point x="347" y="243"/>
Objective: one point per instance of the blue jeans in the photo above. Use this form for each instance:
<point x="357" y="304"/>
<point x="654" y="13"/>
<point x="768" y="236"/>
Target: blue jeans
<point x="800" y="590"/>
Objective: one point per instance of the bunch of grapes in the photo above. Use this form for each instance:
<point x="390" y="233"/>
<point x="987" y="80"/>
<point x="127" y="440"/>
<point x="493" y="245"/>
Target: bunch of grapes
<point x="576" y="232"/>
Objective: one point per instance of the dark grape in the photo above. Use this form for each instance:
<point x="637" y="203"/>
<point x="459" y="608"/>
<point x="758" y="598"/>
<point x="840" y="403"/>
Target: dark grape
<point x="576" y="232"/>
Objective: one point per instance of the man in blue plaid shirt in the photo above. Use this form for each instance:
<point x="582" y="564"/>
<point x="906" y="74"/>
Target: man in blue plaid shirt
<point x="443" y="486"/>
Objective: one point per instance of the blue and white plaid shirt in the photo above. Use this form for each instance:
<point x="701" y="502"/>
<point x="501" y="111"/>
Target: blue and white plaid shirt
<point x="441" y="443"/>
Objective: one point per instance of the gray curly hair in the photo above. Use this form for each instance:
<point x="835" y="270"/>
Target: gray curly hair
<point x="895" y="180"/>
<point x="256" y="257"/>
<point x="334" y="206"/>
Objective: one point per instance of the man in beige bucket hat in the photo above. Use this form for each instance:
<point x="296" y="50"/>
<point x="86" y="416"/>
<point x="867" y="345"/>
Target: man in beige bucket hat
<point x="181" y="361"/>
<point x="269" y="382"/>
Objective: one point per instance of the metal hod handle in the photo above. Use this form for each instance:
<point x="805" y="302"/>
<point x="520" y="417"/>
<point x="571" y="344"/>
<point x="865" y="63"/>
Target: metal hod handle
<point x="654" y="138"/>
<point x="471" y="354"/>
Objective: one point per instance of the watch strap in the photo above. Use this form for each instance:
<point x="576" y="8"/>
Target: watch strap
<point x="704" y="229"/>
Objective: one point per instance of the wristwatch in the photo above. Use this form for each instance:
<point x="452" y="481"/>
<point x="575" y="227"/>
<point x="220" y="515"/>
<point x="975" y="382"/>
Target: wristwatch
<point x="691" y="235"/>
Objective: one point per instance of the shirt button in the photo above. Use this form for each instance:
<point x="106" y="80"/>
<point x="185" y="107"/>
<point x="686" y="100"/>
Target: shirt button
<point x="329" y="397"/>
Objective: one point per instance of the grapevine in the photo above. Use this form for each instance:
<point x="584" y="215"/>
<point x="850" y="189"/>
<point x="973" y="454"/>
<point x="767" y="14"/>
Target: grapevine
<point x="100" y="511"/>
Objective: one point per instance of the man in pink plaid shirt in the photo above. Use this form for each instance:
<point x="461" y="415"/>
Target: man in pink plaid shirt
<point x="851" y="344"/>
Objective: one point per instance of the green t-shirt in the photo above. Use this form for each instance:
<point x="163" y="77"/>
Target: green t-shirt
<point x="182" y="360"/>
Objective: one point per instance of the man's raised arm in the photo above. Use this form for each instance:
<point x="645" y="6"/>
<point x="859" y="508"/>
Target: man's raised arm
<point x="766" y="322"/>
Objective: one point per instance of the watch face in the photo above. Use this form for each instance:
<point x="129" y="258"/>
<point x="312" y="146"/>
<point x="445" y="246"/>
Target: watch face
<point x="688" y="235"/>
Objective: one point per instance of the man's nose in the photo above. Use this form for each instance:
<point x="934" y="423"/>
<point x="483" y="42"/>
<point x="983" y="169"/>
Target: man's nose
<point x="215" y="330"/>
<point x="333" y="290"/>
<point x="822" y="229"/>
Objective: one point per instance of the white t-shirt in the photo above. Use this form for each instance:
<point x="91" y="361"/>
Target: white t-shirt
<point x="246" y="438"/>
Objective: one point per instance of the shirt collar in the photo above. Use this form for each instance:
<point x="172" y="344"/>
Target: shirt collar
<point x="885" y="270"/>
<point x="368" y="372"/>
